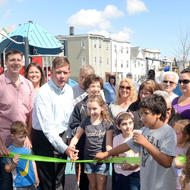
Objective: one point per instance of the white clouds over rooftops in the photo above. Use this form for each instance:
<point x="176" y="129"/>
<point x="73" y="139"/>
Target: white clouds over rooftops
<point x="135" y="6"/>
<point x="123" y="35"/>
<point x="94" y="18"/>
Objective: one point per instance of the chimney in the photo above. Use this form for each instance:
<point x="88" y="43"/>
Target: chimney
<point x="71" y="30"/>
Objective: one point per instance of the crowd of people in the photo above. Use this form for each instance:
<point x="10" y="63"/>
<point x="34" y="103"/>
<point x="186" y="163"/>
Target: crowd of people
<point x="93" y="120"/>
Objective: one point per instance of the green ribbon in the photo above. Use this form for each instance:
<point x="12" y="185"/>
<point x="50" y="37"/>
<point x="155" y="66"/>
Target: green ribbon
<point x="117" y="160"/>
<point x="182" y="159"/>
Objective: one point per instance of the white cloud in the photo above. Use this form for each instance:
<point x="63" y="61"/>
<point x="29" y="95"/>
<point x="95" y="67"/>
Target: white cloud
<point x="123" y="35"/>
<point x="85" y="18"/>
<point x="135" y="6"/>
<point x="3" y="3"/>
<point x="111" y="11"/>
<point x="94" y="18"/>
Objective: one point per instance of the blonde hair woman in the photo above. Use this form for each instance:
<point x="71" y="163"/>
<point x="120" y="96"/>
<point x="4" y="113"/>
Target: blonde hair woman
<point x="126" y="94"/>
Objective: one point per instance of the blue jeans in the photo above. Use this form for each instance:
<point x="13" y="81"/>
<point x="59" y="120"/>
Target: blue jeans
<point x="130" y="182"/>
<point x="98" y="168"/>
<point x="6" y="182"/>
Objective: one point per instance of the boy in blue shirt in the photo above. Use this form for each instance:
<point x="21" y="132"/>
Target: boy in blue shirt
<point x="156" y="145"/>
<point x="24" y="172"/>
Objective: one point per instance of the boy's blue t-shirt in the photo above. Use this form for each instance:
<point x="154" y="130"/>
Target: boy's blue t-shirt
<point x="24" y="174"/>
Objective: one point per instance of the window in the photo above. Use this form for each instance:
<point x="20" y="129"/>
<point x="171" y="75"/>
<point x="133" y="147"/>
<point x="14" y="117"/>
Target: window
<point x="107" y="61"/>
<point x="83" y="60"/>
<point x="107" y="46"/>
<point x="121" y="50"/>
<point x="127" y="51"/>
<point x="83" y="43"/>
<point x="121" y="63"/>
<point x="95" y="60"/>
<point x="127" y="64"/>
<point x="100" y="43"/>
<point x="115" y="49"/>
<point x="100" y="60"/>
<point x="94" y="43"/>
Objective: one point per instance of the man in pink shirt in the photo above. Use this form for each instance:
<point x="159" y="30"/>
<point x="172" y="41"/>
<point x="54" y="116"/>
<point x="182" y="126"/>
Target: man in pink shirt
<point x="16" y="104"/>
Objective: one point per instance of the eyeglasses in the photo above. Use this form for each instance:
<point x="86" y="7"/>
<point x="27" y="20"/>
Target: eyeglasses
<point x="125" y="87"/>
<point x="185" y="81"/>
<point x="167" y="81"/>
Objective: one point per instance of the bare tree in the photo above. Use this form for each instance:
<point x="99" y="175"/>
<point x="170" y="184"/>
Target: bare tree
<point x="183" y="51"/>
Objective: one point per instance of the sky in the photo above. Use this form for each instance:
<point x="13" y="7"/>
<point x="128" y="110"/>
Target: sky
<point x="152" y="24"/>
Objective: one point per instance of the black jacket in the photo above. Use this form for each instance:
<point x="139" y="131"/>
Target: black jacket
<point x="79" y="113"/>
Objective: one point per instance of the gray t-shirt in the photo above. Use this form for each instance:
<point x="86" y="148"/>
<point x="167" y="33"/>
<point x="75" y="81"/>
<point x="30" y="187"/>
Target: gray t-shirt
<point x="153" y="175"/>
<point x="95" y="137"/>
<point x="116" y="109"/>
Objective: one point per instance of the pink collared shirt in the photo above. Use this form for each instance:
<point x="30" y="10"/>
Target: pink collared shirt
<point x="16" y="104"/>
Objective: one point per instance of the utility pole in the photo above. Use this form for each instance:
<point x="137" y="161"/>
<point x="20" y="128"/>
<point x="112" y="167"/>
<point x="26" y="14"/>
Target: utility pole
<point x="26" y="48"/>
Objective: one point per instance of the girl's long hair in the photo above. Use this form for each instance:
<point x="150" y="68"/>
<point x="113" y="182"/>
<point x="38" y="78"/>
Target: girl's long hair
<point x="105" y="114"/>
<point x="187" y="166"/>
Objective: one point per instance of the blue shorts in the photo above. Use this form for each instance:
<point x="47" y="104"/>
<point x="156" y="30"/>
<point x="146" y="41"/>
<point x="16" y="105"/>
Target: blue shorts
<point x="98" y="168"/>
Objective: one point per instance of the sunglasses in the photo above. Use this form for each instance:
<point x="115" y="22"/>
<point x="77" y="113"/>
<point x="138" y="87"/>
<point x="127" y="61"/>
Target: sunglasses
<point x="167" y="81"/>
<point x="185" y="81"/>
<point x="125" y="87"/>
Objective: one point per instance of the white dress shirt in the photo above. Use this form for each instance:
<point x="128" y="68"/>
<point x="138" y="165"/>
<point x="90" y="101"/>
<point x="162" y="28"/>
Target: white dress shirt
<point x="52" y="109"/>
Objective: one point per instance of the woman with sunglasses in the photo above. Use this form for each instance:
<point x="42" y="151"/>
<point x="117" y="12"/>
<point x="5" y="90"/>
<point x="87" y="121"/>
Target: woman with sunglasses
<point x="169" y="83"/>
<point x="125" y="95"/>
<point x="182" y="103"/>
